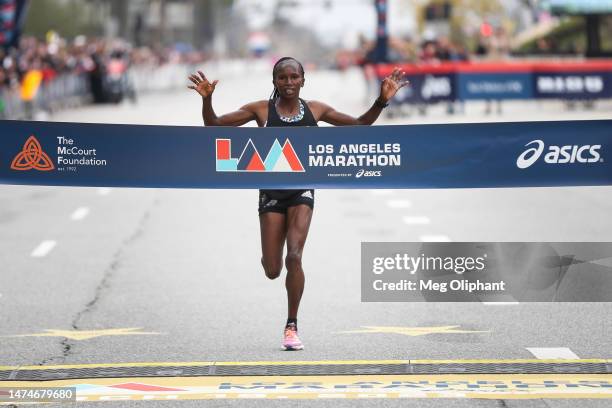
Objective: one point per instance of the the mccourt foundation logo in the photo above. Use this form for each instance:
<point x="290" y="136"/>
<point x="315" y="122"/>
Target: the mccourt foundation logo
<point x="31" y="157"/>
<point x="279" y="159"/>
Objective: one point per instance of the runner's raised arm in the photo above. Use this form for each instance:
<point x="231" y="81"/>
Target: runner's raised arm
<point x="206" y="89"/>
<point x="388" y="88"/>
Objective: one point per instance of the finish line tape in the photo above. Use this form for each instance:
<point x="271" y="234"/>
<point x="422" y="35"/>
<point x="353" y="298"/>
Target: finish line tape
<point x="481" y="155"/>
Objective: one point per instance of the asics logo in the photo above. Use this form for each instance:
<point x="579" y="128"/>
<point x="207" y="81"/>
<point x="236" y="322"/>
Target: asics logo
<point x="558" y="154"/>
<point x="363" y="173"/>
<point x="530" y="156"/>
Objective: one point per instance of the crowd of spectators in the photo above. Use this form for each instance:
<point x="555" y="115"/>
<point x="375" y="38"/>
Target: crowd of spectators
<point x="430" y="51"/>
<point x="36" y="63"/>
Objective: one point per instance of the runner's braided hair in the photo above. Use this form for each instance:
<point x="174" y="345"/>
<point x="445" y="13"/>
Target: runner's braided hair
<point x="275" y="93"/>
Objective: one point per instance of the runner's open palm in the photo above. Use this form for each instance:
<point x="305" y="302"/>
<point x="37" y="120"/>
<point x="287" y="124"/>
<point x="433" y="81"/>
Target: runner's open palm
<point x="201" y="84"/>
<point x="391" y="84"/>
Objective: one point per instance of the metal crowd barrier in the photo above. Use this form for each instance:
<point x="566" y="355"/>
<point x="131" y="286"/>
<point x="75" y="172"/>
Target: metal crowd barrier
<point x="65" y="91"/>
<point x="69" y="91"/>
<point x="12" y="106"/>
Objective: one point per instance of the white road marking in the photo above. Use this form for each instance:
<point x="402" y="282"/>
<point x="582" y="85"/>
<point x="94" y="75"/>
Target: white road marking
<point x="43" y="249"/>
<point x="399" y="204"/>
<point x="416" y="220"/>
<point x="553" y="353"/>
<point x="500" y="303"/>
<point x="104" y="191"/>
<point x="434" y="238"/>
<point x="79" y="213"/>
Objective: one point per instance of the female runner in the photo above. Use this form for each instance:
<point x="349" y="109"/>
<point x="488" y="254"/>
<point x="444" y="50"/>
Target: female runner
<point x="284" y="215"/>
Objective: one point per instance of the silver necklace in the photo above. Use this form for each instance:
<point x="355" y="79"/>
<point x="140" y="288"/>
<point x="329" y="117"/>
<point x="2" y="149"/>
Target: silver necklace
<point x="295" y="118"/>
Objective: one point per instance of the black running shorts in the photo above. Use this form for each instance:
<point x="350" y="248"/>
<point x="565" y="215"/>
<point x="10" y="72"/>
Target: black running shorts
<point x="269" y="204"/>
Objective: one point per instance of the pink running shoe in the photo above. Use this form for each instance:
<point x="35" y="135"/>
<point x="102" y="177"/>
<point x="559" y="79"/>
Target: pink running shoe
<point x="291" y="340"/>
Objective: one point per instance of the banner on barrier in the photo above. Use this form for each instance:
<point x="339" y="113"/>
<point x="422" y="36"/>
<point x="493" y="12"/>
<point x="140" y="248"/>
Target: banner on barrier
<point x="494" y="86"/>
<point x="427" y="89"/>
<point x="431" y="83"/>
<point x="573" y="85"/>
<point x="570" y="153"/>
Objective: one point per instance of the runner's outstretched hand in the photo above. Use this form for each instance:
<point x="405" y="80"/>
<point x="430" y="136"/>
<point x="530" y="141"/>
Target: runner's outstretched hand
<point x="202" y="86"/>
<point x="391" y="84"/>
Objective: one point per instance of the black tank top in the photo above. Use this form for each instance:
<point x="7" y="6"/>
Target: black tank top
<point x="275" y="121"/>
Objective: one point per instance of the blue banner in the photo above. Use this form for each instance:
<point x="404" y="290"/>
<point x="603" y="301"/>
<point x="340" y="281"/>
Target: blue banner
<point x="573" y="85"/>
<point x="449" y="81"/>
<point x="494" y="86"/>
<point x="430" y="88"/>
<point x="524" y="154"/>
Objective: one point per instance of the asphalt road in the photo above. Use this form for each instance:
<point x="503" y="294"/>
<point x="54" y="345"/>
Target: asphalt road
<point x="183" y="265"/>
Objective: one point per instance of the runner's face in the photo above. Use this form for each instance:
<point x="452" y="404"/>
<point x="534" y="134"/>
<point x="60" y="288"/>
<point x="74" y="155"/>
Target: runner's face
<point x="288" y="79"/>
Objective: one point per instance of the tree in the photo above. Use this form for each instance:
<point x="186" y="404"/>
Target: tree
<point x="67" y="17"/>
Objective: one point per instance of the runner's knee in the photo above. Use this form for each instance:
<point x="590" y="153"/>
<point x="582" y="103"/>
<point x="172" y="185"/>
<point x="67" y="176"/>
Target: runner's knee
<point x="293" y="261"/>
<point x="272" y="269"/>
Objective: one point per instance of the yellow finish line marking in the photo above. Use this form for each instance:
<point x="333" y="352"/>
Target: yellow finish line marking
<point x="358" y="386"/>
<point x="498" y="386"/>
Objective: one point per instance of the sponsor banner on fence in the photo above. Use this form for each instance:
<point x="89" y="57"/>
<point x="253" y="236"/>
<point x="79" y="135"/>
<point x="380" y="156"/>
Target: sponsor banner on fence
<point x="449" y="81"/>
<point x="569" y="153"/>
<point x="486" y="272"/>
<point x="494" y="86"/>
<point x="429" y="88"/>
<point x="573" y="85"/>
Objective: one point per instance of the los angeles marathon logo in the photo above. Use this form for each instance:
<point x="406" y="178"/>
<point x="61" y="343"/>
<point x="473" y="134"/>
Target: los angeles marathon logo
<point x="32" y="157"/>
<point x="279" y="159"/>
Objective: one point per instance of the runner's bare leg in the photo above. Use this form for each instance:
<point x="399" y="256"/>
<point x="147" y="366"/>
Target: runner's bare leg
<point x="273" y="227"/>
<point x="298" y="223"/>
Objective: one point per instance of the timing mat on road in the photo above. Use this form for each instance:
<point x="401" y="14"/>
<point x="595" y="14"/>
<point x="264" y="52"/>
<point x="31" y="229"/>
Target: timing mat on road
<point x="495" y="379"/>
